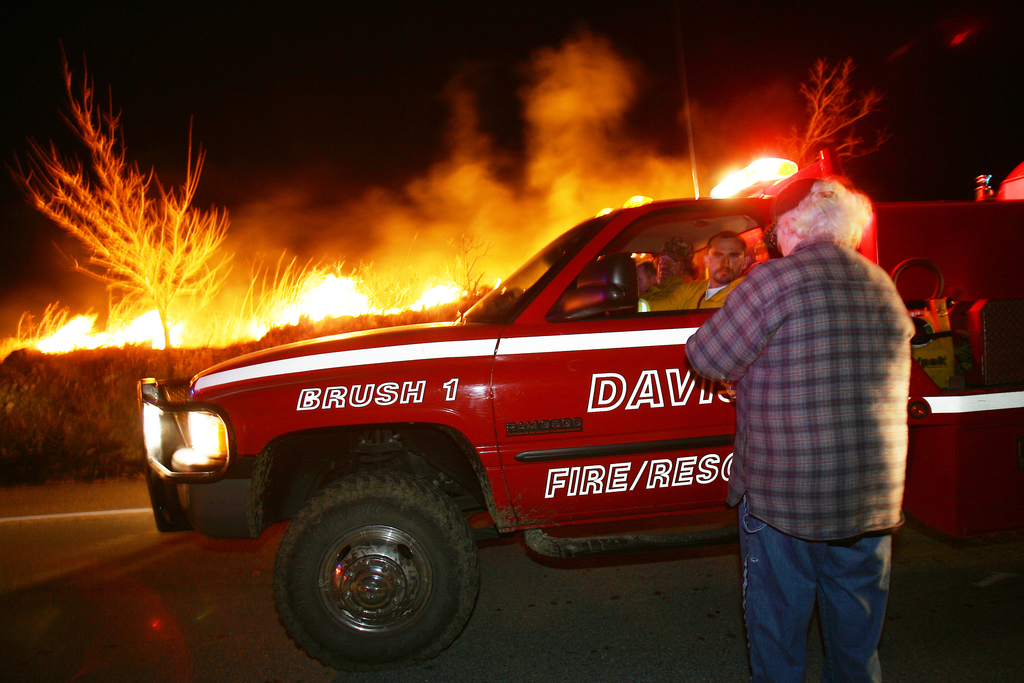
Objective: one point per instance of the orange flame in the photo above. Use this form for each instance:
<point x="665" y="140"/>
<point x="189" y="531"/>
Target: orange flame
<point x="318" y="296"/>
<point x="322" y="296"/>
<point x="79" y="334"/>
<point x="437" y="295"/>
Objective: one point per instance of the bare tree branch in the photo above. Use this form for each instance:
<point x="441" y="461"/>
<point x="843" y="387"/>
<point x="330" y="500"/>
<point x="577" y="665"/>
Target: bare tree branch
<point x="148" y="244"/>
<point x="464" y="273"/>
<point x="833" y="109"/>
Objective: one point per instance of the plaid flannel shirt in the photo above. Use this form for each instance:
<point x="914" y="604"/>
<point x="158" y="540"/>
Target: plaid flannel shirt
<point x="816" y="343"/>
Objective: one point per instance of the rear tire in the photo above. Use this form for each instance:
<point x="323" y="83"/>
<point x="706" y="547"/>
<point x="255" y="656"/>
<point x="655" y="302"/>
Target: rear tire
<point x="377" y="571"/>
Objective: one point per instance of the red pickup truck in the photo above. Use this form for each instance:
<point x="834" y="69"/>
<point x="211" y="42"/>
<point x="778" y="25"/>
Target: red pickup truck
<point x="554" y="403"/>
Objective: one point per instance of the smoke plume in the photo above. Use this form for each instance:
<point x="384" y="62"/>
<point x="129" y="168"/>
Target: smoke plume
<point x="577" y="161"/>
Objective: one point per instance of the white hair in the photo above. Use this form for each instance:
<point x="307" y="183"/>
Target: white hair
<point x="832" y="212"/>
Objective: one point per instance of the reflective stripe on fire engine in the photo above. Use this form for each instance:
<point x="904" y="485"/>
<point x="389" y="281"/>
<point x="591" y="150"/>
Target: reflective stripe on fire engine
<point x="976" y="402"/>
<point x="469" y="348"/>
<point x="557" y="343"/>
<point x="452" y="349"/>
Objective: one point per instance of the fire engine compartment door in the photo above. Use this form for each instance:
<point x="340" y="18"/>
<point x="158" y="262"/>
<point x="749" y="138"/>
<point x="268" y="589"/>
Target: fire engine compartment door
<point x="604" y="418"/>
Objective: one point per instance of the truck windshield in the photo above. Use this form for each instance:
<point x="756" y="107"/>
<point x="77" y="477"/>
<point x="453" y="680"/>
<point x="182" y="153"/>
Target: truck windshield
<point x="502" y="304"/>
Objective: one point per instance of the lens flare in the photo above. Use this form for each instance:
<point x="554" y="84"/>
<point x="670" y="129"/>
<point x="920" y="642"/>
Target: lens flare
<point x="760" y="170"/>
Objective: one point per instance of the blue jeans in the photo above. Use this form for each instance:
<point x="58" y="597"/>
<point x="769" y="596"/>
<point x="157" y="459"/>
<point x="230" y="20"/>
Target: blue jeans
<point x="782" y="576"/>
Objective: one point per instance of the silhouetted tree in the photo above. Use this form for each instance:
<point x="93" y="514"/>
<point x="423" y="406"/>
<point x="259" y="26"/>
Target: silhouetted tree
<point x="147" y="243"/>
<point x="464" y="273"/>
<point x="833" y="108"/>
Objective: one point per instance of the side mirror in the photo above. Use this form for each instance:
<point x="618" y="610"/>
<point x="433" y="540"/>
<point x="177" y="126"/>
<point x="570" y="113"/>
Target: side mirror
<point x="605" y="285"/>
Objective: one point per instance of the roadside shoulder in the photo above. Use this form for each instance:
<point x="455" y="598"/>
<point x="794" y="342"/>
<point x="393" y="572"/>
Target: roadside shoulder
<point x="70" y="497"/>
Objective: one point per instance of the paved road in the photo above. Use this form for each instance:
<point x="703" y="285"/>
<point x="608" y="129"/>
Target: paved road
<point x="107" y="598"/>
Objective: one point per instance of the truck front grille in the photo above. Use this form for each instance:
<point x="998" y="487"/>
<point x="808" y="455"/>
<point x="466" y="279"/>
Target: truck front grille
<point x="175" y="392"/>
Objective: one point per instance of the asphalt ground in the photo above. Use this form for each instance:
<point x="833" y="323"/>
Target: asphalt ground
<point x="103" y="596"/>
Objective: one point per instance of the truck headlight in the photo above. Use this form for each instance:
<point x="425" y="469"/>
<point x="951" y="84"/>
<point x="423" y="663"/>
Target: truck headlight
<point x="208" y="445"/>
<point x="208" y="434"/>
<point x="152" y="427"/>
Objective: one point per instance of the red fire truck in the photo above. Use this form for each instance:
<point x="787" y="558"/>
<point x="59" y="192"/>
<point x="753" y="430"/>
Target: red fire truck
<point x="554" y="407"/>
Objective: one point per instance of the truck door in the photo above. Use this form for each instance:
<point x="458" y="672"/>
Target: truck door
<point x="603" y="417"/>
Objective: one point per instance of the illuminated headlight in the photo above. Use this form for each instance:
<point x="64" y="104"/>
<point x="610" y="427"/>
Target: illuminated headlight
<point x="208" y="445"/>
<point x="207" y="434"/>
<point x="151" y="426"/>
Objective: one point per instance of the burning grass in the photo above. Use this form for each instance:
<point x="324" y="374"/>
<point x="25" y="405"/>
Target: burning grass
<point x="68" y="407"/>
<point x="74" y="416"/>
<point x="285" y="296"/>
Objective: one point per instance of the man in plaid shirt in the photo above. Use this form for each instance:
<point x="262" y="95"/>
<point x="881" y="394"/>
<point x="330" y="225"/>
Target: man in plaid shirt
<point x="817" y="346"/>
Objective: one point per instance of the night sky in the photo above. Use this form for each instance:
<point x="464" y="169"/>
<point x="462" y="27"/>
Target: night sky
<point x="316" y="117"/>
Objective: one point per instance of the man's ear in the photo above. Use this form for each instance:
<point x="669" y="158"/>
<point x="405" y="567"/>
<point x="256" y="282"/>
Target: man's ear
<point x="748" y="261"/>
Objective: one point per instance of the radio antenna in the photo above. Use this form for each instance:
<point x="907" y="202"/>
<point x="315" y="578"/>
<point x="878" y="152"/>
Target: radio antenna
<point x="686" y="95"/>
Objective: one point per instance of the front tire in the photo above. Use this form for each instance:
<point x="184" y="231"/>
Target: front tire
<point x="378" y="570"/>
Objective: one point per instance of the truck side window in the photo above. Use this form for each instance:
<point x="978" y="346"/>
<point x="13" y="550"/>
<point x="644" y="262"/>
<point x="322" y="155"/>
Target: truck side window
<point x="659" y="259"/>
<point x="669" y="248"/>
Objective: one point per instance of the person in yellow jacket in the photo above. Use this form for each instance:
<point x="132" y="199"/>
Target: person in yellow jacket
<point x="726" y="260"/>
<point x="675" y="267"/>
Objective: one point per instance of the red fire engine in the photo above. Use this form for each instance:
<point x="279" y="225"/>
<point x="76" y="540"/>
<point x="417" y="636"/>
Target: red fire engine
<point x="553" y="405"/>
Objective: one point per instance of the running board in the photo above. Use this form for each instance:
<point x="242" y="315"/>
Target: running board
<point x="592" y="546"/>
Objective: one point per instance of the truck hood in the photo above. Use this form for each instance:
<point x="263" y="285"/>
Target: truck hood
<point x="369" y="347"/>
